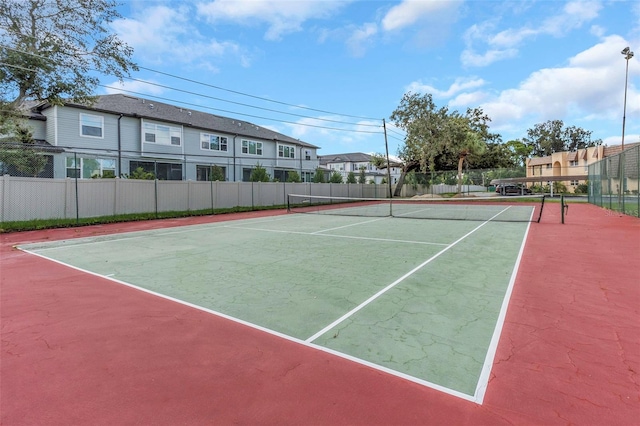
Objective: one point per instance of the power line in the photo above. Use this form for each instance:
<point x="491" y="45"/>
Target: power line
<point x="250" y="106"/>
<point x="215" y="87"/>
<point x="238" y="113"/>
<point x="232" y="112"/>
<point x="253" y="96"/>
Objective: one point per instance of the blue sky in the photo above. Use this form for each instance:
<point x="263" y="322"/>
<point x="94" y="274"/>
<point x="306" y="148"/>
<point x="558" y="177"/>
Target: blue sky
<point x="328" y="72"/>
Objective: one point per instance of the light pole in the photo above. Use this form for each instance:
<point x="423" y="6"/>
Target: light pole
<point x="628" y="54"/>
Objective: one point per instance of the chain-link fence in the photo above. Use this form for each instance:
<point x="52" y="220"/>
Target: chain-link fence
<point x="473" y="180"/>
<point x="613" y="182"/>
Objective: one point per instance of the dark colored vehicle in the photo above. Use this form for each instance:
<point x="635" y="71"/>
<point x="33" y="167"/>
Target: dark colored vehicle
<point x="512" y="189"/>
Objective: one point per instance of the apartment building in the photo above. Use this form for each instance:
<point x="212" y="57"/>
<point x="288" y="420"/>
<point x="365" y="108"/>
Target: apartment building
<point x="356" y="161"/>
<point x="573" y="165"/>
<point x="120" y="133"/>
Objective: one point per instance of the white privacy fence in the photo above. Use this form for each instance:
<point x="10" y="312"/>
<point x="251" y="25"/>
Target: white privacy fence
<point x="24" y="198"/>
<point x="39" y="198"/>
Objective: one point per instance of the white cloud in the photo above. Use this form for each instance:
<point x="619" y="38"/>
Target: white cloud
<point x="319" y="131"/>
<point x="589" y="88"/>
<point x="282" y="17"/>
<point x="409" y="12"/>
<point x="148" y="87"/>
<point x="503" y="44"/>
<point x="460" y="85"/>
<point x="360" y="38"/>
<point x="470" y="58"/>
<point x="160" y="34"/>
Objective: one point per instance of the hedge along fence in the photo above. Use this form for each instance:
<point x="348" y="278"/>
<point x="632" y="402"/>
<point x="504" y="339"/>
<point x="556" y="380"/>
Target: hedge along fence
<point x="23" y="199"/>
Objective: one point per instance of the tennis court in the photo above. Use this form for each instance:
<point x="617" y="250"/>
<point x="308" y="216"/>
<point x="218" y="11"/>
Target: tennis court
<point x="416" y="298"/>
<point x="356" y="318"/>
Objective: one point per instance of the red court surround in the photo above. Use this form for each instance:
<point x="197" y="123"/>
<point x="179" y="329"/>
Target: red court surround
<point x="78" y="349"/>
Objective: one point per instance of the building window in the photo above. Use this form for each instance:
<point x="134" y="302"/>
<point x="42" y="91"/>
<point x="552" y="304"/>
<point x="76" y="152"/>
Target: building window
<point x="307" y="155"/>
<point x="286" y="151"/>
<point x="91" y="125"/>
<point x="574" y="183"/>
<point x="251" y="147"/>
<point x="162" y="134"/>
<point x="307" y="176"/>
<point x="549" y="166"/>
<point x="573" y="163"/>
<point x="213" y="142"/>
<point x="246" y="175"/>
<point x="206" y="173"/>
<point x="87" y="168"/>
<point x="162" y="171"/>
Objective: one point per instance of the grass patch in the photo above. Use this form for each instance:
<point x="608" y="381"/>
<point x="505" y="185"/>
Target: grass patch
<point x="38" y="224"/>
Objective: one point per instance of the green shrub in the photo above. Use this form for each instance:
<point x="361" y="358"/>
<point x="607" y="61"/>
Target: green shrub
<point x="336" y="177"/>
<point x="293" y="177"/>
<point x="259" y="174"/>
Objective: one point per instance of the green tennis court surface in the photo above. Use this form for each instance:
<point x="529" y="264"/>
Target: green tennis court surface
<point x="422" y="299"/>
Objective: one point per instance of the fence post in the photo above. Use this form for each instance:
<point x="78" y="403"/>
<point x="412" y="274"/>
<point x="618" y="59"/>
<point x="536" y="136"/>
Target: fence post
<point x="3" y="195"/>
<point x="79" y="170"/>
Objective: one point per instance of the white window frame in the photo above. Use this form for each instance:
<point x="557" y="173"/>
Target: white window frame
<point x="79" y="166"/>
<point x="206" y="138"/>
<point x="166" y="132"/>
<point x="91" y="117"/>
<point x="282" y="151"/>
<point x="246" y="147"/>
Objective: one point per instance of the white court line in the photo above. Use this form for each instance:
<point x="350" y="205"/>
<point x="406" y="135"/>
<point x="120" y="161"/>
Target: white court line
<point x="132" y="235"/>
<point x="387" y="240"/>
<point x="347" y="226"/>
<point x="483" y="379"/>
<point x="417" y="380"/>
<point x="398" y="281"/>
<point x="223" y="224"/>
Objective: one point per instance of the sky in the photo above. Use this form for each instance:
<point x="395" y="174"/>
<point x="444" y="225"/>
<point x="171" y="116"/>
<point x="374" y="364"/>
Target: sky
<point x="329" y="72"/>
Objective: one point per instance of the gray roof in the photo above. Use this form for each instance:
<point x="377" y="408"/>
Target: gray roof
<point x="353" y="157"/>
<point x="152" y="110"/>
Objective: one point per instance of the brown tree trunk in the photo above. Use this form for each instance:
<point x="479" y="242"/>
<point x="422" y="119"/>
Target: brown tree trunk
<point x="408" y="167"/>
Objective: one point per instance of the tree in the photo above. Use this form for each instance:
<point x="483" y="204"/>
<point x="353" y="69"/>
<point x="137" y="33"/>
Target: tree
<point x="495" y="155"/>
<point x="336" y="177"/>
<point x="318" y="177"/>
<point x="436" y="136"/>
<point x="140" y="173"/>
<point x="53" y="49"/>
<point x="549" y="137"/>
<point x="351" y="178"/>
<point x="259" y="174"/>
<point x="23" y="154"/>
<point x="520" y="151"/>
<point x="293" y="177"/>
<point x="466" y="137"/>
<point x="362" y="177"/>
<point x="217" y="174"/>
<point x="577" y="138"/>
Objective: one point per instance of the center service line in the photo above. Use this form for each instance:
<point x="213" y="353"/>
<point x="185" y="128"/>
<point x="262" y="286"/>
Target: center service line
<point x="399" y="280"/>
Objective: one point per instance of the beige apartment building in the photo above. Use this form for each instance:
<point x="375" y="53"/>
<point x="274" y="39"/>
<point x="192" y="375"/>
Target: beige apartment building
<point x="572" y="165"/>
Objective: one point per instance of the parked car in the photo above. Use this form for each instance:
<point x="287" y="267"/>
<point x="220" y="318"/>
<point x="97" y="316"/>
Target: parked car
<point x="512" y="189"/>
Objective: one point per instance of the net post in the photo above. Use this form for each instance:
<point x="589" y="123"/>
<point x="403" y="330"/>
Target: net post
<point x="386" y="148"/>
<point x="541" y="208"/>
<point x="564" y="208"/>
<point x="288" y="203"/>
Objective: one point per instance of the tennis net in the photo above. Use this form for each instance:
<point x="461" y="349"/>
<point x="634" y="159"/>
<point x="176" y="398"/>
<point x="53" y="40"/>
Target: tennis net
<point x="501" y="209"/>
